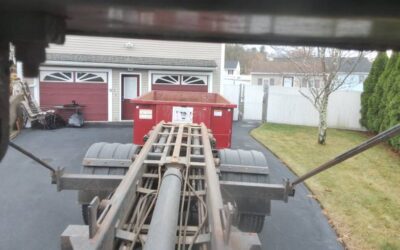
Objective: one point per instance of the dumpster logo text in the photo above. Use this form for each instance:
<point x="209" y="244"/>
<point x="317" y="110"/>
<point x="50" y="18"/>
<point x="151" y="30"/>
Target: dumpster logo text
<point x="145" y="114"/>
<point x="182" y="114"/>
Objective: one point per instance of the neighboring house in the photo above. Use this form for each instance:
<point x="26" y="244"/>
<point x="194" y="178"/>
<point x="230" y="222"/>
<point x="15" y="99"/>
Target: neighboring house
<point x="105" y="73"/>
<point x="232" y="68"/>
<point x="237" y="79"/>
<point x="232" y="74"/>
<point x="284" y="72"/>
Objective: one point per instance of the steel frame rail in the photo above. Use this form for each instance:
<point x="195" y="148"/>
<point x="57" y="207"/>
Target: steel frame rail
<point x="217" y="218"/>
<point x="77" y="237"/>
<point x="185" y="147"/>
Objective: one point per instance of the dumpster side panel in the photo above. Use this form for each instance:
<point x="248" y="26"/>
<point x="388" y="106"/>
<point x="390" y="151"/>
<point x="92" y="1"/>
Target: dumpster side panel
<point x="221" y="126"/>
<point x="202" y="115"/>
<point x="144" y="117"/>
<point x="164" y="113"/>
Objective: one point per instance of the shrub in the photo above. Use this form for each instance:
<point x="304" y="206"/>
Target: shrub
<point x="393" y="111"/>
<point x="378" y="66"/>
<point x="377" y="102"/>
<point x="390" y="93"/>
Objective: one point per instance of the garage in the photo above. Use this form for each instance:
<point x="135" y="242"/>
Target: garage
<point x="105" y="84"/>
<point x="87" y="88"/>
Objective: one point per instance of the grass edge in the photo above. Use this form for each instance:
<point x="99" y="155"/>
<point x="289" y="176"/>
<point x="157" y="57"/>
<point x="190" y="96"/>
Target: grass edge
<point x="315" y="197"/>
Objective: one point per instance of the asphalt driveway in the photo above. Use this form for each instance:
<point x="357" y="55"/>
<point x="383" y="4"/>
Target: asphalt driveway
<point x="33" y="214"/>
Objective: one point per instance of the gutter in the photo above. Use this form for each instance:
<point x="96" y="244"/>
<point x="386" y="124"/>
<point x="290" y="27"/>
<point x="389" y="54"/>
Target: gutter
<point x="121" y="65"/>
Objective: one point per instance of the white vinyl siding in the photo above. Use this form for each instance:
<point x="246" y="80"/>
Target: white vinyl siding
<point x="143" y="48"/>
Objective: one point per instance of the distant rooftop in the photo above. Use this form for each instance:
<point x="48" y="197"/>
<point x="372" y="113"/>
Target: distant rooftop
<point x="230" y="64"/>
<point x="291" y="65"/>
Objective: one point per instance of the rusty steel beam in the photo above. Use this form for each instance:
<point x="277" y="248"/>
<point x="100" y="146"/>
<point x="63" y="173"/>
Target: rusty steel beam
<point x="88" y="182"/>
<point x="117" y="163"/>
<point x="256" y="190"/>
<point x="214" y="197"/>
<point x="122" y="201"/>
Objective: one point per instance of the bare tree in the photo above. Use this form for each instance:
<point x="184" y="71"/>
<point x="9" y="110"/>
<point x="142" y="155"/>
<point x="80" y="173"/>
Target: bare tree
<point x="323" y="71"/>
<point x="248" y="57"/>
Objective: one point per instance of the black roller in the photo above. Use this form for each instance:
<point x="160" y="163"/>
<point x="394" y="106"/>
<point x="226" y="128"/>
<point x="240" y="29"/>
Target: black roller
<point x="103" y="150"/>
<point x="243" y="158"/>
<point x="251" y="213"/>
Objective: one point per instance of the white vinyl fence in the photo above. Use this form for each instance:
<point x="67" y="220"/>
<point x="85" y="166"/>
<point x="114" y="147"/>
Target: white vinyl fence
<point x="253" y="102"/>
<point x="232" y="94"/>
<point x="288" y="106"/>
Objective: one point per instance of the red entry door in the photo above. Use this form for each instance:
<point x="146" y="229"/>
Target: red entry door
<point x="130" y="90"/>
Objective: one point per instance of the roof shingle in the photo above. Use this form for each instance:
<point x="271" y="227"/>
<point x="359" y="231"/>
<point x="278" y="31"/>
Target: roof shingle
<point x="230" y="64"/>
<point x="131" y="60"/>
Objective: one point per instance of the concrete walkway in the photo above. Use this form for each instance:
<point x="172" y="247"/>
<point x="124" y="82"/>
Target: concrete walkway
<point x="33" y="214"/>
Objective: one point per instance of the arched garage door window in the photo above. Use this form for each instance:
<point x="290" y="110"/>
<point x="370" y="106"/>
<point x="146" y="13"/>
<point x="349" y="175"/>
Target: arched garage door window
<point x="194" y="79"/>
<point x="56" y="76"/>
<point x="180" y="81"/>
<point x="166" y="79"/>
<point x="73" y="76"/>
<point x="95" y="77"/>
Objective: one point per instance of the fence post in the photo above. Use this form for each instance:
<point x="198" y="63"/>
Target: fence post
<point x="265" y="102"/>
<point x="241" y="102"/>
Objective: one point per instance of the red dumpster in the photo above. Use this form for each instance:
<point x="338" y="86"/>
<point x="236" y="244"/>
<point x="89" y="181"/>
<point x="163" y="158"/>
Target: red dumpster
<point x="184" y="107"/>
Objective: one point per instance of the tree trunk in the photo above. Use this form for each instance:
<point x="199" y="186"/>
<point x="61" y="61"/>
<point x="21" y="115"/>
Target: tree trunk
<point x="322" y="121"/>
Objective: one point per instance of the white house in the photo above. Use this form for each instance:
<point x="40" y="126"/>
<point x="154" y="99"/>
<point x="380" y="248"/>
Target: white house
<point x="284" y="72"/>
<point x="104" y="73"/>
<point x="232" y="68"/>
<point x="232" y="74"/>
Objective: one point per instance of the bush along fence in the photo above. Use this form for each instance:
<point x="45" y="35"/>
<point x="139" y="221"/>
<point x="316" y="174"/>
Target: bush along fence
<point x="380" y="101"/>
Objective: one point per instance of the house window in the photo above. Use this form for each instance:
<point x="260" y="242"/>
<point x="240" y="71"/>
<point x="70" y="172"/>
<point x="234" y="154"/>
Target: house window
<point x="265" y="81"/>
<point x="180" y="79"/>
<point x="230" y="72"/>
<point x="288" y="82"/>
<point x="259" y="81"/>
<point x="272" y="82"/>
<point x="91" y="77"/>
<point x="56" y="76"/>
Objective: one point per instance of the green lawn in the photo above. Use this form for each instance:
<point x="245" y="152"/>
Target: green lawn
<point x="361" y="196"/>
